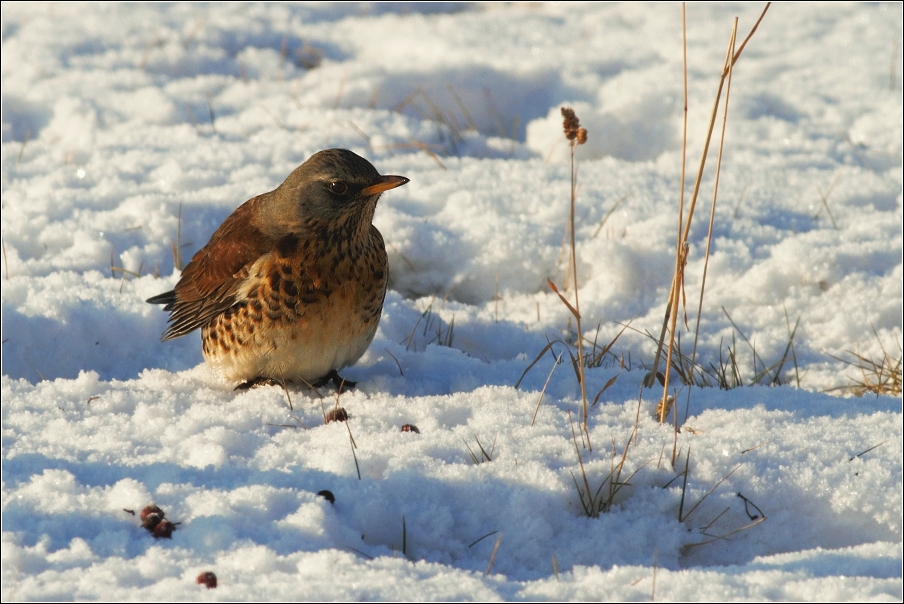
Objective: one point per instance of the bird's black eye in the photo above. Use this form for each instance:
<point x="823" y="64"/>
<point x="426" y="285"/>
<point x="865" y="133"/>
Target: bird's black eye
<point x="337" y="187"/>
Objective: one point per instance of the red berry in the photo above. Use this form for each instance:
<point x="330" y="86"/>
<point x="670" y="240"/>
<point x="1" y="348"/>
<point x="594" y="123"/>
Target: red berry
<point x="208" y="579"/>
<point x="151" y="509"/>
<point x="410" y="428"/>
<point x="163" y="530"/>
<point x="337" y="415"/>
<point x="151" y="516"/>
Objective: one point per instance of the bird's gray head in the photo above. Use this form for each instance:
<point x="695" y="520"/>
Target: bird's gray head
<point x="333" y="187"/>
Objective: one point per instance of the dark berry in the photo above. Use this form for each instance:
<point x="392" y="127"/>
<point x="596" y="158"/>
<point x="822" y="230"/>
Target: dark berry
<point x="207" y="579"/>
<point x="337" y="415"/>
<point x="163" y="530"/>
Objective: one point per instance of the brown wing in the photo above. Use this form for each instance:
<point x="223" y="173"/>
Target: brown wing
<point x="210" y="283"/>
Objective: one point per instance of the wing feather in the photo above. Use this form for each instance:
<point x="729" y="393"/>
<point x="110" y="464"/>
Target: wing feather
<point x="211" y="282"/>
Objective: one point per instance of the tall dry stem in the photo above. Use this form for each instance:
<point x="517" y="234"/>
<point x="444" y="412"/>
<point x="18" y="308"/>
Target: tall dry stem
<point x="576" y="135"/>
<point x="673" y="294"/>
<point x="677" y="286"/>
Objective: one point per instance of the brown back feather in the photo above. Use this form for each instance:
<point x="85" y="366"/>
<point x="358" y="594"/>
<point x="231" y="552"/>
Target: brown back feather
<point x="210" y="283"/>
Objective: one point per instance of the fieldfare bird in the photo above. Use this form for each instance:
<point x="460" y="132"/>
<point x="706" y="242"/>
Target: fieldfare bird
<point x="290" y="288"/>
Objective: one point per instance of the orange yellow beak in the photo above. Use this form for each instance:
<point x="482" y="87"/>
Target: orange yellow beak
<point x="384" y="184"/>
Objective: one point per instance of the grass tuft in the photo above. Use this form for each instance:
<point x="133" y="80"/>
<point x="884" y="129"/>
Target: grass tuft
<point x="876" y="376"/>
<point x="484" y="456"/>
<point x="443" y="334"/>
<point x="597" y="501"/>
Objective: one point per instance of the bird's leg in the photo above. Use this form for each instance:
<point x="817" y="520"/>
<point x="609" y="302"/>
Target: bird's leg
<point x="340" y="382"/>
<point x="258" y="381"/>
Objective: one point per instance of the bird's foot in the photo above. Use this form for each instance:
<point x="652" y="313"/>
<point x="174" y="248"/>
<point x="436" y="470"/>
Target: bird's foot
<point x="340" y="382"/>
<point x="259" y="381"/>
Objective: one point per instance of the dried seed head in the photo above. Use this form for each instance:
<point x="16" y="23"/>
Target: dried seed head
<point x="207" y="579"/>
<point x="410" y="428"/>
<point x="571" y="123"/>
<point x="572" y="126"/>
<point x="328" y="495"/>
<point x="664" y="406"/>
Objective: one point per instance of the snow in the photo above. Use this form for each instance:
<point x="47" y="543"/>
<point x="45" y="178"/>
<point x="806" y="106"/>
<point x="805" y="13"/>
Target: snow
<point x="130" y="129"/>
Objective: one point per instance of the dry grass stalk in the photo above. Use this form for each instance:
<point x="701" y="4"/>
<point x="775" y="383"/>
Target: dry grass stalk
<point x="177" y="244"/>
<point x="279" y="122"/>
<point x="448" y="128"/>
<point x="824" y="199"/>
<point x="867" y="451"/>
<point x="610" y="212"/>
<point x="605" y="387"/>
<point x="22" y="147"/>
<point x="479" y="539"/>
<point x="790" y="346"/>
<point x="494" y="111"/>
<point x="152" y="44"/>
<point x="493" y="555"/>
<point x="576" y="135"/>
<point x="213" y="116"/>
<point x="677" y="287"/>
<point x="594" y="358"/>
<point x="484" y="456"/>
<point x="399" y="365"/>
<point x="359" y="552"/>
<point x="709" y="237"/>
<point x="755" y="519"/>
<point x="542" y="392"/>
<point x="893" y="72"/>
<point x="191" y="117"/>
<point x="426" y="149"/>
<point x="673" y="295"/>
<point x="5" y="263"/>
<point x="285" y="389"/>
<point x="768" y="375"/>
<point x="351" y="440"/>
<point x="681" y="515"/>
<point x="724" y="537"/>
<point x="462" y="107"/>
<point x="712" y="212"/>
<point x="535" y="361"/>
<point x="444" y="336"/>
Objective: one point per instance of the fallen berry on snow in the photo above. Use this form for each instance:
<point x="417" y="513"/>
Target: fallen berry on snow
<point x="337" y="415"/>
<point x="151" y="516"/>
<point x="163" y="530"/>
<point x="207" y="579"/>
